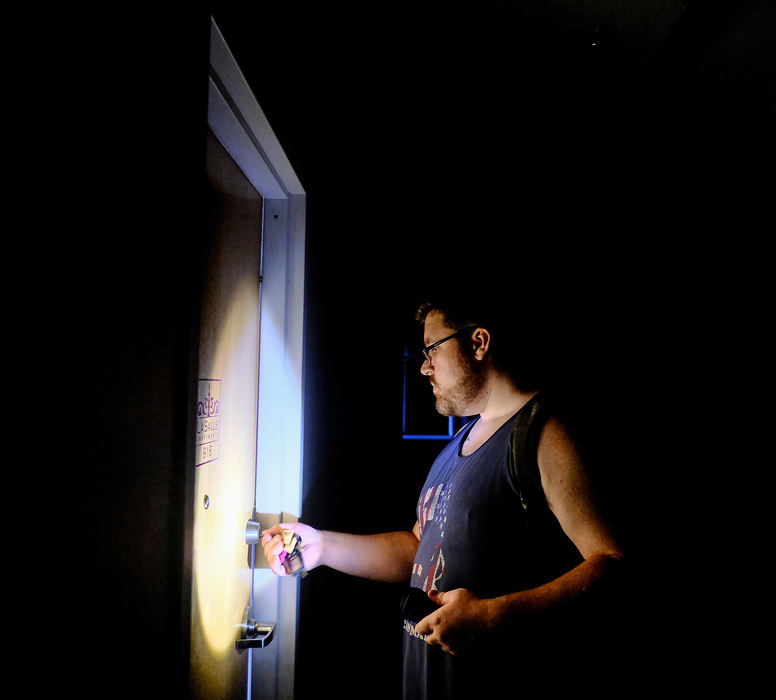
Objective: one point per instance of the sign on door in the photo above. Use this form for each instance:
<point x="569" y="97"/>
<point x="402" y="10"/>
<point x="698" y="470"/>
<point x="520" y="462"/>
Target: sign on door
<point x="208" y="429"/>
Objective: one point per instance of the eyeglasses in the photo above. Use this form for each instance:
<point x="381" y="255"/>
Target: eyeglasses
<point x="427" y="350"/>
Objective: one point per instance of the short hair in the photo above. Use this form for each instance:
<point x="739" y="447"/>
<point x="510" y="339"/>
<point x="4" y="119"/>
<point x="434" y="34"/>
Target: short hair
<point x="516" y="336"/>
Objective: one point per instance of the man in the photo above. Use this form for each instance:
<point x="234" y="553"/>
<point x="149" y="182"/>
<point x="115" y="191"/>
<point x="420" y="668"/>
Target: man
<point x="503" y="583"/>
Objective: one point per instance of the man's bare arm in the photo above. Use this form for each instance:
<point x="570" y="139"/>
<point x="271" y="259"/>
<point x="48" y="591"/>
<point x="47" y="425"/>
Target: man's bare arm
<point x="382" y="557"/>
<point x="570" y="495"/>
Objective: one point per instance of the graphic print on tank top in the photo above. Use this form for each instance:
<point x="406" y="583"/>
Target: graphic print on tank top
<point x="430" y="565"/>
<point x="432" y="508"/>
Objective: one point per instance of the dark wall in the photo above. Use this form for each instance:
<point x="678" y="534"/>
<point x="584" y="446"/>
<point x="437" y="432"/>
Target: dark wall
<point x="128" y="93"/>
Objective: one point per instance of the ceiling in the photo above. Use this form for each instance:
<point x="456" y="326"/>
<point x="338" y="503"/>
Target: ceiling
<point x="580" y="110"/>
<point x="341" y="72"/>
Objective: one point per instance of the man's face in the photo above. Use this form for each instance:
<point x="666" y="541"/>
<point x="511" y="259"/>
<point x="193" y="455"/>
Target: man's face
<point x="456" y="377"/>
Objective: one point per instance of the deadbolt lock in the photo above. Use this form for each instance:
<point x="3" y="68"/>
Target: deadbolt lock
<point x="252" y="532"/>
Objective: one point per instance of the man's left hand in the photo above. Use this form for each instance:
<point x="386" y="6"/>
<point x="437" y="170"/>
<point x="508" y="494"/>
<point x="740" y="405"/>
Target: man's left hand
<point x="462" y="619"/>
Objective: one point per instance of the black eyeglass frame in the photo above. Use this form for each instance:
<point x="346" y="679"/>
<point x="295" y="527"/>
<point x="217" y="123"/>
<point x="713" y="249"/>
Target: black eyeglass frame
<point x="428" y="348"/>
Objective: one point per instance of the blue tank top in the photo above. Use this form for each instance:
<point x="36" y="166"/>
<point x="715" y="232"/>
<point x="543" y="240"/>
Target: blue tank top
<point x="473" y="534"/>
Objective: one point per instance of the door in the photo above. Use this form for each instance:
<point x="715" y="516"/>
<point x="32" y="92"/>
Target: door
<point x="247" y="419"/>
<point x="226" y="427"/>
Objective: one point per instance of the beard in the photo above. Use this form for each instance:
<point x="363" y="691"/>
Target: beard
<point x="460" y="399"/>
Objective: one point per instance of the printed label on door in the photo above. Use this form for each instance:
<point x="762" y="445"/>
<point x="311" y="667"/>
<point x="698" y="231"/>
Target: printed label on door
<point x="208" y="420"/>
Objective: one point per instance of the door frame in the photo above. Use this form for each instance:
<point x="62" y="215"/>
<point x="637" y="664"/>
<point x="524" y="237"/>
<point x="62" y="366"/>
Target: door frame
<point x="237" y="120"/>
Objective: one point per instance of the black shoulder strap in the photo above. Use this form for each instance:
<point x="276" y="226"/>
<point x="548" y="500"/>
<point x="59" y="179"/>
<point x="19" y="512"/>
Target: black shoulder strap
<point x="523" y="464"/>
<point x="550" y="552"/>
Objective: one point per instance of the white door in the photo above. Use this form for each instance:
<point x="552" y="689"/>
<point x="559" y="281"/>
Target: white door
<point x="226" y="425"/>
<point x="247" y="422"/>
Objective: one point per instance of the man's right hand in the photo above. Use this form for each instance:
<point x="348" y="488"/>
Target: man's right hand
<point x="272" y="541"/>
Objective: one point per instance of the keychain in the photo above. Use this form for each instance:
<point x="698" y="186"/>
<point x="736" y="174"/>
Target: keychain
<point x="291" y="555"/>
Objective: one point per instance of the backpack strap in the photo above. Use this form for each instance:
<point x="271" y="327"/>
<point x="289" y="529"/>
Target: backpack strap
<point x="523" y="464"/>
